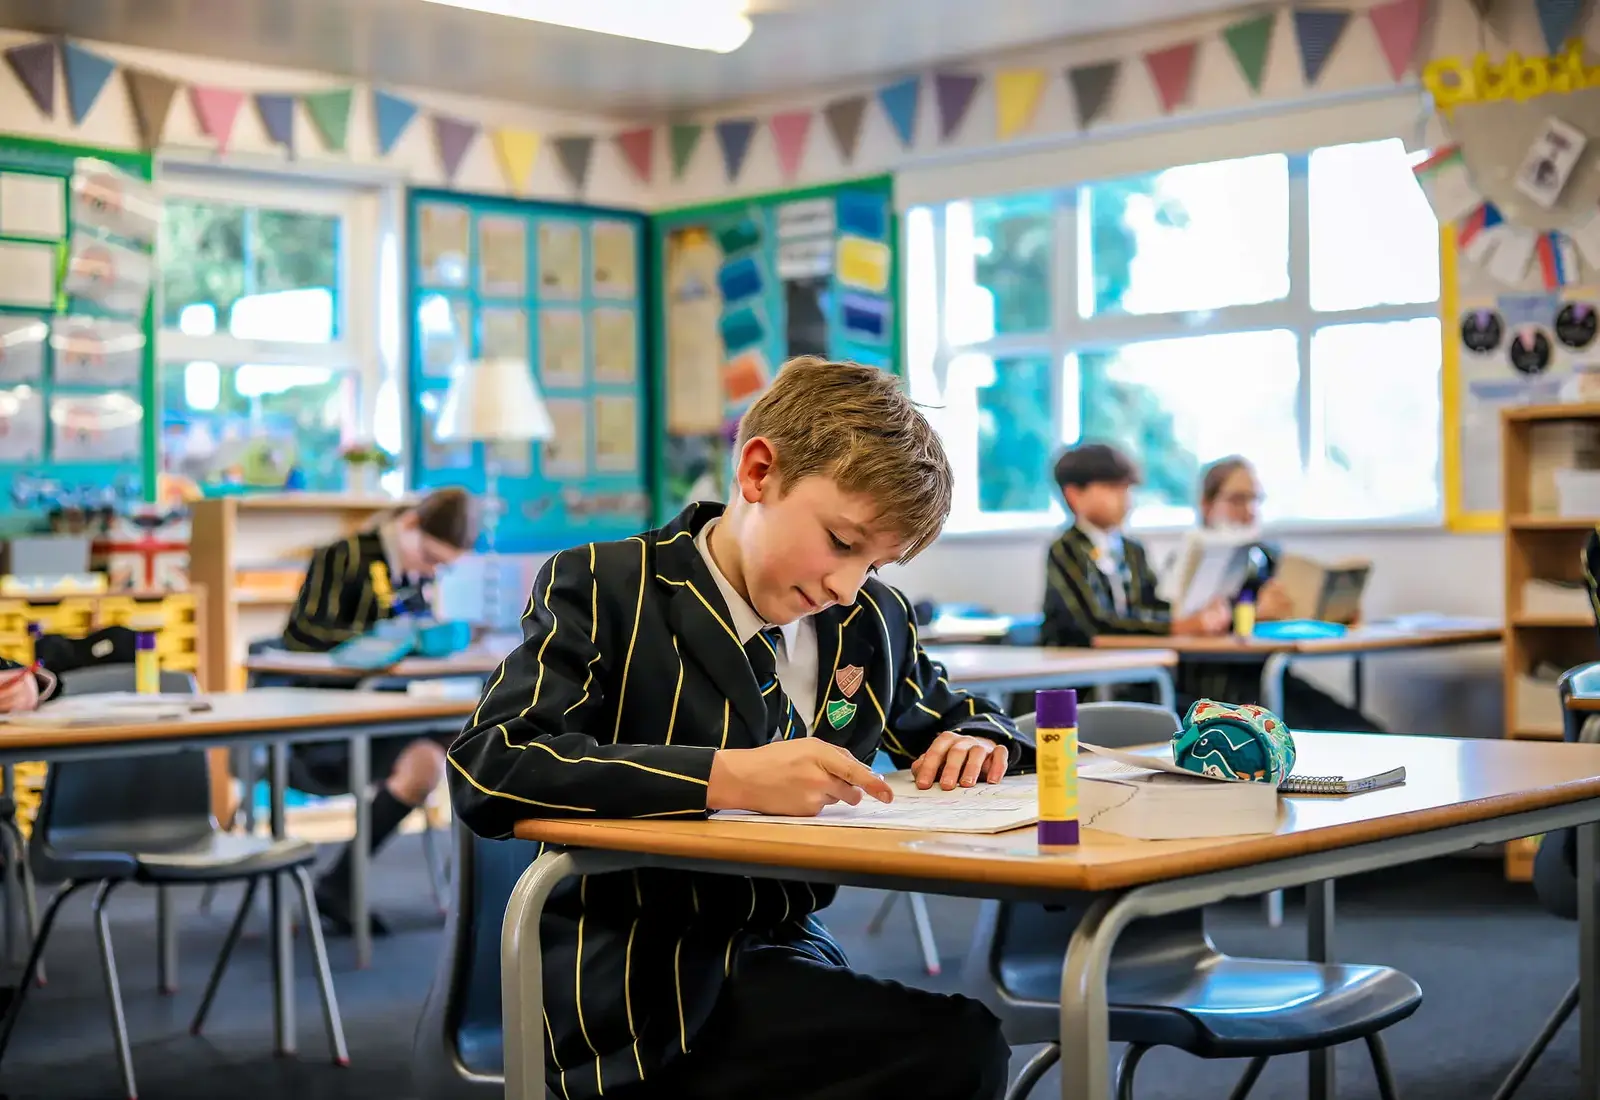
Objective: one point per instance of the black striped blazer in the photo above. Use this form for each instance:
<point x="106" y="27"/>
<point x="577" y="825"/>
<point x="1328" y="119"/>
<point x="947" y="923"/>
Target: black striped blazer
<point x="1078" y="602"/>
<point x="629" y="678"/>
<point x="346" y="591"/>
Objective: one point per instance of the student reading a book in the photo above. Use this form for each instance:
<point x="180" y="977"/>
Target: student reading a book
<point x="742" y="657"/>
<point x="350" y="586"/>
<point x="1097" y="579"/>
<point x="1230" y="500"/>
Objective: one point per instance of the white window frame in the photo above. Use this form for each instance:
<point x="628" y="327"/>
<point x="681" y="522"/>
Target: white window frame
<point x="1071" y="333"/>
<point x="369" y="342"/>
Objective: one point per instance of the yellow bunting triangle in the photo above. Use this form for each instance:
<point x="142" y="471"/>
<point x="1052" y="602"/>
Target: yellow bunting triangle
<point x="1016" y="97"/>
<point x="516" y="151"/>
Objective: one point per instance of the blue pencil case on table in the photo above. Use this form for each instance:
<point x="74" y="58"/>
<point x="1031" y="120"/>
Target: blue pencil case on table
<point x="391" y="642"/>
<point x="1234" y="742"/>
<point x="1297" y="630"/>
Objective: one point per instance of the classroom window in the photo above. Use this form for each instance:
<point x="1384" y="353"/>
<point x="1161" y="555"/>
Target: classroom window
<point x="1283" y="307"/>
<point x="269" y="329"/>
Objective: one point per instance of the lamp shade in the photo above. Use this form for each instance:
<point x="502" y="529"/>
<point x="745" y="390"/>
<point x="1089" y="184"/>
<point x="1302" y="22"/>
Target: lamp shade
<point x="493" y="401"/>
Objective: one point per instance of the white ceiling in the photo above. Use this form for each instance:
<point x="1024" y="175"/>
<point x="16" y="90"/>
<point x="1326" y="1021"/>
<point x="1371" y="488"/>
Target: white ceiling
<point x="797" y="44"/>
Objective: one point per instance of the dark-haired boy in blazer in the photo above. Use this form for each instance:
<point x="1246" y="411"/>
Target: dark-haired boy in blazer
<point x="745" y="658"/>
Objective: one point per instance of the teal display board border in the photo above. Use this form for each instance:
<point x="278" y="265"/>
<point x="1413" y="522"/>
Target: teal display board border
<point x="553" y="527"/>
<point x="763" y="209"/>
<point x="49" y="158"/>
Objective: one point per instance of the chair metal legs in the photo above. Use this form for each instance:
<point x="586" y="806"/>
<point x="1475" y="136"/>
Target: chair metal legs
<point x="1126" y="1067"/>
<point x="221" y="965"/>
<point x="1380" y="1066"/>
<point x="919" y="920"/>
<point x="108" y="963"/>
<point x="1248" y="1081"/>
<point x="438" y="873"/>
<point x="30" y="899"/>
<point x="166" y="942"/>
<point x="30" y="969"/>
<point x="1033" y="1072"/>
<point x="319" y="952"/>
<point x="1520" y="1071"/>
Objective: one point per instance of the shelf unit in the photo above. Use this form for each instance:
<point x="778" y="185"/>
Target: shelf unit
<point x="250" y="554"/>
<point x="1542" y="546"/>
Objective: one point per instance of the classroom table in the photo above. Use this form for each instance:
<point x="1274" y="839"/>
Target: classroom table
<point x="1278" y="655"/>
<point x="278" y="717"/>
<point x="999" y="670"/>
<point x="1459" y="793"/>
<point x="480" y="659"/>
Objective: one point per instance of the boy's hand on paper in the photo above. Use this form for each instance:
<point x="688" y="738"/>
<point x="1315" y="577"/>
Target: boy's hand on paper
<point x="1273" y="602"/>
<point x="19" y="691"/>
<point x="957" y="759"/>
<point x="1213" y="618"/>
<point x="794" y="778"/>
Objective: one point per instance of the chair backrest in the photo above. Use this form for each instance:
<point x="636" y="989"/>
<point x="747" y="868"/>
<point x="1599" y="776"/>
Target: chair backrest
<point x="1118" y="725"/>
<point x="1555" y="865"/>
<point x="113" y="806"/>
<point x="458" y="1050"/>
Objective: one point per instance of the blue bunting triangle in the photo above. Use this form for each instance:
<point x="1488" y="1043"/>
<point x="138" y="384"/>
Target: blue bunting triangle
<point x="1556" y="20"/>
<point x="87" y="74"/>
<point x="1318" y="31"/>
<point x="900" y="104"/>
<point x="734" y="135"/>
<point x="393" y="115"/>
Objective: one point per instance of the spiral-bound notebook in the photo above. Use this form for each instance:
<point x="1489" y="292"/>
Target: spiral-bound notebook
<point x="1336" y="784"/>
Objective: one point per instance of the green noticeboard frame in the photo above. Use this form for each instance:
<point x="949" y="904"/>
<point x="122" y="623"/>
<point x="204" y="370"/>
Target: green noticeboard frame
<point x="808" y="271"/>
<point x="30" y="156"/>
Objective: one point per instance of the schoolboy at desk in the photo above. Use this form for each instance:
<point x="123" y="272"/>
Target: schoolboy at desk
<point x="740" y="658"/>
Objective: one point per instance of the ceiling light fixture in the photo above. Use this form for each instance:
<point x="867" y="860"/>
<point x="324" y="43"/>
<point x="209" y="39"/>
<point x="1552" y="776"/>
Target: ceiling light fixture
<point x="717" y="25"/>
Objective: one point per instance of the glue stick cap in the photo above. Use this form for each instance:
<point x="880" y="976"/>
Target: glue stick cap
<point x="1056" y="709"/>
<point x="144" y="639"/>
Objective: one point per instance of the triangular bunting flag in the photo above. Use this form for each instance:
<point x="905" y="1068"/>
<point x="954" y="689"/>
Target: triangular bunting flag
<point x="1016" y="98"/>
<point x="392" y="115"/>
<point x="277" y="118"/>
<point x="843" y="117"/>
<point x="789" y="132"/>
<point x="216" y="109"/>
<point x="1172" y="69"/>
<point x="900" y="104"/>
<point x="574" y="153"/>
<point x="452" y="136"/>
<point x="515" y="150"/>
<point x="87" y="74"/>
<point x="1248" y="40"/>
<point x="733" y="135"/>
<point x="330" y="114"/>
<point x="1556" y="20"/>
<point x="1091" y="89"/>
<point x="953" y="93"/>
<point x="1398" y="24"/>
<point x="1318" y="31"/>
<point x="35" y="66"/>
<point x="638" y="149"/>
<point x="683" y="137"/>
<point x="151" y="97"/>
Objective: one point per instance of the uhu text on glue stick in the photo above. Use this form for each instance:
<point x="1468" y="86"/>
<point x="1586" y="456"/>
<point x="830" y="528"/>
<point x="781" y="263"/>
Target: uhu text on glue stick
<point x="1056" y="734"/>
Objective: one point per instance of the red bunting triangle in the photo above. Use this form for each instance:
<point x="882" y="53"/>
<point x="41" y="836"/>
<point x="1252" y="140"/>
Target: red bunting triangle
<point x="1398" y="24"/>
<point x="789" y="130"/>
<point x="1172" y="69"/>
<point x="216" y="109"/>
<point x="638" y="149"/>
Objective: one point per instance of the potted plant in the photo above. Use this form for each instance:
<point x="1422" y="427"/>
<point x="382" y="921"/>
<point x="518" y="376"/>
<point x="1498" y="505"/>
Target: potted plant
<point x="364" y="464"/>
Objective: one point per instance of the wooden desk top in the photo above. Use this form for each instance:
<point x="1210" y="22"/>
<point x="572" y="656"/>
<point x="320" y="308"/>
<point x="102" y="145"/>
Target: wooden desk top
<point x="1366" y="639"/>
<point x="1450" y="781"/>
<point x="993" y="663"/>
<point x="469" y="662"/>
<point x="1585" y="702"/>
<point x="265" y="710"/>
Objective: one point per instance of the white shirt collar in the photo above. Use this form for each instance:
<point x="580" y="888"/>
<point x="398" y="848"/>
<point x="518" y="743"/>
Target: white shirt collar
<point x="1106" y="542"/>
<point x="746" y="623"/>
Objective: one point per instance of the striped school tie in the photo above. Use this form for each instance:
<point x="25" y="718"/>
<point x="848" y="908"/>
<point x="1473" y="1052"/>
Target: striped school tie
<point x="783" y="717"/>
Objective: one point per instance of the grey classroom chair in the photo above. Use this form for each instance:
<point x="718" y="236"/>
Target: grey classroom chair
<point x="1167" y="984"/>
<point x="147" y="819"/>
<point x="1555" y="871"/>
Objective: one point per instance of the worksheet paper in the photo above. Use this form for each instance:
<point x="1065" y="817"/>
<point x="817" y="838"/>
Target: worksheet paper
<point x="983" y="808"/>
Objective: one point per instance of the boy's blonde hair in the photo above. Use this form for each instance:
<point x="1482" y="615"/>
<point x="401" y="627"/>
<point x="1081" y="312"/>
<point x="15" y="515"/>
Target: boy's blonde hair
<point x="856" y="425"/>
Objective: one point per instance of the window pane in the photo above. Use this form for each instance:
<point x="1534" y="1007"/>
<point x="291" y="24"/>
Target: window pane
<point x="1177" y="404"/>
<point x="251" y="272"/>
<point x="257" y="425"/>
<point x="922" y="306"/>
<point x="1202" y="236"/>
<point x="1376" y="391"/>
<point x="1374" y="239"/>
<point x="998" y="265"/>
<point x="1016" y="437"/>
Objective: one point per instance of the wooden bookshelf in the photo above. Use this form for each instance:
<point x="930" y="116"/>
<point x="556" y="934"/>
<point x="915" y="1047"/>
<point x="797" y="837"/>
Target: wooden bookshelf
<point x="250" y="553"/>
<point x="1540" y="544"/>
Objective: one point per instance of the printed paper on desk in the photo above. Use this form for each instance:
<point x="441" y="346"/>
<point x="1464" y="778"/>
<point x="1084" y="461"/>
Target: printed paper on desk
<point x="96" y="352"/>
<point x="22" y="342"/>
<point x="984" y="808"/>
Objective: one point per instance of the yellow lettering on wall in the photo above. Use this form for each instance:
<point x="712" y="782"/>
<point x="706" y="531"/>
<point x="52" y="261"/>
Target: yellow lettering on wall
<point x="1453" y="81"/>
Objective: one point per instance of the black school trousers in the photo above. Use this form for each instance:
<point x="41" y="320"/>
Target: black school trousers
<point x="790" y="1027"/>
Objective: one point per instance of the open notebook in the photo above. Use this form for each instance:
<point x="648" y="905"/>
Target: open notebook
<point x="112" y="708"/>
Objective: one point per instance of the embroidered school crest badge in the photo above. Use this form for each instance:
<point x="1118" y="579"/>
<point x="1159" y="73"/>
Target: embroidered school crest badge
<point x="840" y="711"/>
<point x="849" y="679"/>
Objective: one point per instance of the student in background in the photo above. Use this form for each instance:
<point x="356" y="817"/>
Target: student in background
<point x="1230" y="500"/>
<point x="350" y="586"/>
<point x="1098" y="580"/>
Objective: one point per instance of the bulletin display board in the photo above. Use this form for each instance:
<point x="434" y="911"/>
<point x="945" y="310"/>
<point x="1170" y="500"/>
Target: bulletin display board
<point x="742" y="287"/>
<point x="1503" y="346"/>
<point x="77" y="379"/>
<point x="561" y="287"/>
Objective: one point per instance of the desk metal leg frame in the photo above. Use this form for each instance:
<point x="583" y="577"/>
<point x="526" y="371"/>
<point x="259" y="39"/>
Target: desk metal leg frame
<point x="361" y="852"/>
<point x="283" y="1026"/>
